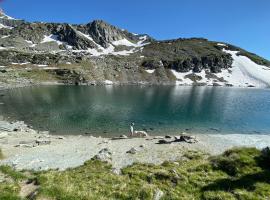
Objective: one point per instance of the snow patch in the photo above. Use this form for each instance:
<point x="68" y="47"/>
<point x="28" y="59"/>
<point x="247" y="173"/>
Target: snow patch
<point x="221" y="44"/>
<point x="51" y="38"/>
<point x="245" y="72"/>
<point x="181" y="80"/>
<point x="6" y="16"/>
<point x="108" y="82"/>
<point x="30" y="43"/>
<point x="5" y="36"/>
<point x="42" y="65"/>
<point x="124" y="42"/>
<point x="150" y="71"/>
<point x="3" y="26"/>
<point x="25" y="63"/>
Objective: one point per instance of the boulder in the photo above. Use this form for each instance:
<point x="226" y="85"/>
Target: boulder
<point x="103" y="155"/>
<point x="185" y="138"/>
<point x="164" y="142"/>
<point x="132" y="151"/>
<point x="121" y="137"/>
<point x="43" y="142"/>
<point x="158" y="194"/>
<point x="116" y="171"/>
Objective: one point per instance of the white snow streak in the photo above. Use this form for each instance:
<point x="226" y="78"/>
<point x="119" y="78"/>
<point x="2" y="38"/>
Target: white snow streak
<point x="150" y="71"/>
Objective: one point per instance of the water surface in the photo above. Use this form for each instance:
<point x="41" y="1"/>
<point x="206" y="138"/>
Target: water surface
<point x="161" y="110"/>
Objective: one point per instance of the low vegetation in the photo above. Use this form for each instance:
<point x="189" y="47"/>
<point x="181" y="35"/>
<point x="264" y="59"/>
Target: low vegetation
<point x="241" y="173"/>
<point x="1" y="154"/>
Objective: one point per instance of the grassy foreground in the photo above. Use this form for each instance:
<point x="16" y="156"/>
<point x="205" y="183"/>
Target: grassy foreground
<point x="242" y="173"/>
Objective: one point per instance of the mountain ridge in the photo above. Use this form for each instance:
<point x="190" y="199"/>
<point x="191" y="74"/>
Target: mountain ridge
<point x="99" y="52"/>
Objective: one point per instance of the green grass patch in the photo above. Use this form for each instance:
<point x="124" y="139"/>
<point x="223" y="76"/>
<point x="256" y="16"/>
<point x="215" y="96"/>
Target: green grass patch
<point x="15" y="175"/>
<point x="240" y="173"/>
<point x="1" y="154"/>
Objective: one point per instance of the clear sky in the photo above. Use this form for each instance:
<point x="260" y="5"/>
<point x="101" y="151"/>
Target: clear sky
<point x="245" y="23"/>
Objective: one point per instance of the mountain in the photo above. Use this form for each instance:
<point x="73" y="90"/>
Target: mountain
<point x="98" y="53"/>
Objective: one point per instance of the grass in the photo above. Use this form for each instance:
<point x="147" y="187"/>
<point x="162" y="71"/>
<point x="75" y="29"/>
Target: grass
<point x="1" y="154"/>
<point x="241" y="173"/>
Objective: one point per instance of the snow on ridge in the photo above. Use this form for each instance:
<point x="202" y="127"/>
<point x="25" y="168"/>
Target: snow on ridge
<point x="6" y="16"/>
<point x="109" y="50"/>
<point x="4" y="26"/>
<point x="123" y="42"/>
<point x="51" y="38"/>
<point x="221" y="44"/>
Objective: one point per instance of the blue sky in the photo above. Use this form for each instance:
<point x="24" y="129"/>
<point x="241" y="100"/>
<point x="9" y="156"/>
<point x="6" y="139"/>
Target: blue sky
<point x="245" y="23"/>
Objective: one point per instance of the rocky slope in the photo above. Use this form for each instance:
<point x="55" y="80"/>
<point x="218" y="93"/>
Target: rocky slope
<point x="98" y="53"/>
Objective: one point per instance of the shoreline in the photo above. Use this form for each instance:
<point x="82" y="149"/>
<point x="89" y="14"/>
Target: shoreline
<point x="9" y="86"/>
<point x="27" y="149"/>
<point x="68" y="151"/>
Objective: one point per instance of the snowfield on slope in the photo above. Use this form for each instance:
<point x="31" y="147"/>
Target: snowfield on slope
<point x="243" y="73"/>
<point x="246" y="72"/>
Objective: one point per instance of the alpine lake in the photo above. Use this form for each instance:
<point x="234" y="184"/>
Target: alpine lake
<point x="108" y="111"/>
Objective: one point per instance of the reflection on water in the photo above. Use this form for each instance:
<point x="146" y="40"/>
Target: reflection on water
<point x="108" y="110"/>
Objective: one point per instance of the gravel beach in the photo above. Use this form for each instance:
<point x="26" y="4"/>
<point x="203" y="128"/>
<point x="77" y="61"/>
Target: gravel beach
<point x="25" y="148"/>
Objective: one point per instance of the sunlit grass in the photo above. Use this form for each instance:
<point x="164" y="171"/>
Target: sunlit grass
<point x="242" y="173"/>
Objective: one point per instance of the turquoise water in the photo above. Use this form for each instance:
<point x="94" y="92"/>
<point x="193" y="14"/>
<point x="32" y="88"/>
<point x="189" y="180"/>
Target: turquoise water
<point x="161" y="110"/>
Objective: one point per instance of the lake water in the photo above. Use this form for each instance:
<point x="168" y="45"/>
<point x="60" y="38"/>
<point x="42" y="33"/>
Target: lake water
<point x="161" y="110"/>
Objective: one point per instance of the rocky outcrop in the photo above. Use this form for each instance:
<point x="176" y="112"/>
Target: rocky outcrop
<point x="98" y="52"/>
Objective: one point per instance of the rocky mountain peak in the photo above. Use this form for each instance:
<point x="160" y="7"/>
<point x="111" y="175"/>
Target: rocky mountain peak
<point x="104" y="33"/>
<point x="7" y="21"/>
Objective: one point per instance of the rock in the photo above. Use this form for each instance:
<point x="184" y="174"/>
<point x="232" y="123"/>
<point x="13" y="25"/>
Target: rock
<point x="158" y="194"/>
<point x="142" y="145"/>
<point x="43" y="142"/>
<point x="185" y="138"/>
<point x="132" y="151"/>
<point x="60" y="138"/>
<point x="168" y="137"/>
<point x="116" y="171"/>
<point x="104" y="155"/>
<point x="164" y="142"/>
<point x="158" y="137"/>
<point x="266" y="154"/>
<point x="27" y="142"/>
<point x="121" y="137"/>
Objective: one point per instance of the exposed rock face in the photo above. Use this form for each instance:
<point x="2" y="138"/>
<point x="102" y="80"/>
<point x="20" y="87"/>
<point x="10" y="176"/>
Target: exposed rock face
<point x="104" y="33"/>
<point x="98" y="51"/>
<point x="69" y="35"/>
